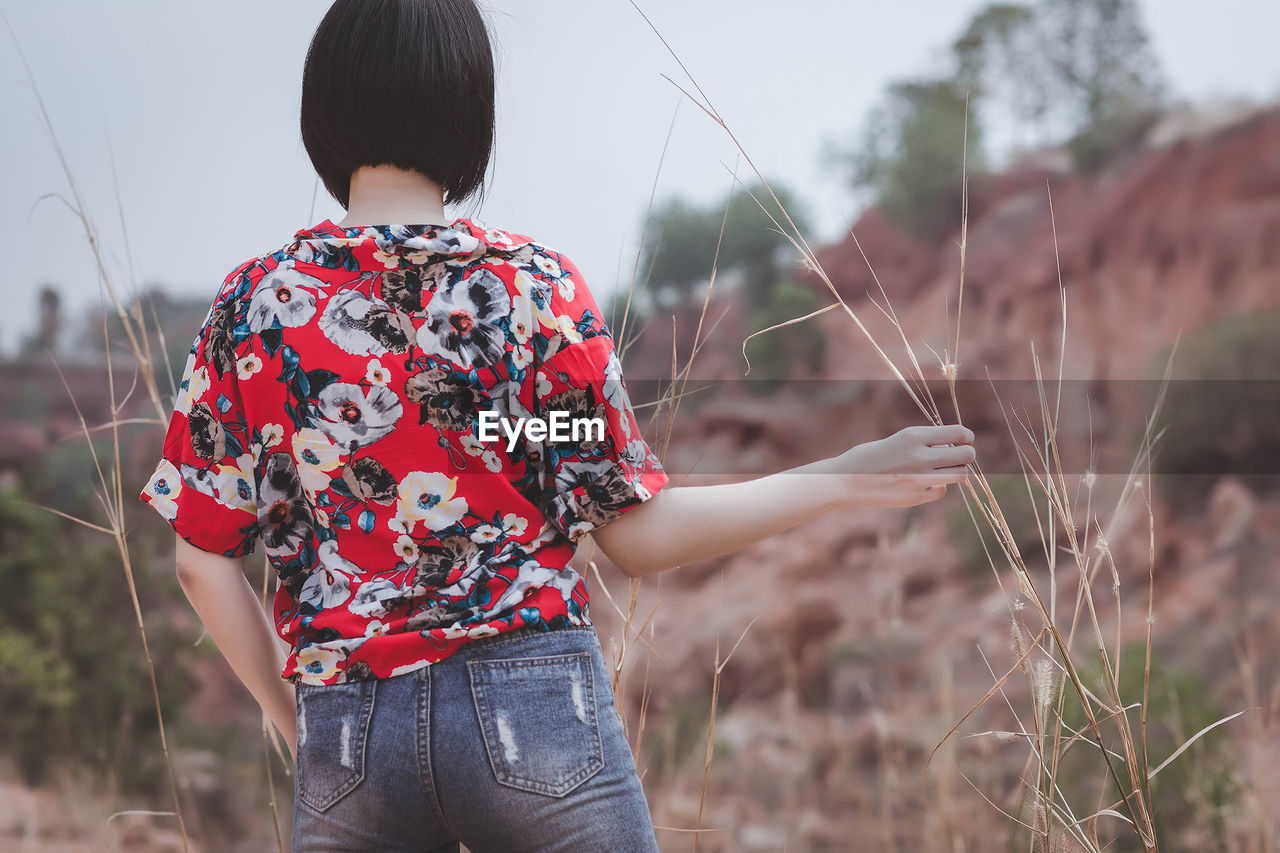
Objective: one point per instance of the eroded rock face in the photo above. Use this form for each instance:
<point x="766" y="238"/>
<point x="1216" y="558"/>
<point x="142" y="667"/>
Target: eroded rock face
<point x="868" y="624"/>
<point x="1186" y="233"/>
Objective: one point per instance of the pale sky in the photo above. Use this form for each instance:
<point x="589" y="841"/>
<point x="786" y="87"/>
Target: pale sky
<point x="197" y="106"/>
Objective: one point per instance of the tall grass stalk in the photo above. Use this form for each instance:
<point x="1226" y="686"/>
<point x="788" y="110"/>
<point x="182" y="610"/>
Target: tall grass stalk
<point x="109" y="488"/>
<point x="110" y="480"/>
<point x="1055" y="825"/>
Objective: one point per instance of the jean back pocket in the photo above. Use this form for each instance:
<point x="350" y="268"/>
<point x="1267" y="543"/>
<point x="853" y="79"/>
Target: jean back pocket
<point x="333" y="726"/>
<point x="538" y="719"/>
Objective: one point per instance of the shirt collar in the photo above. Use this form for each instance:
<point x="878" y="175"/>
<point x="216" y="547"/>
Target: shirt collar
<point x="463" y="237"/>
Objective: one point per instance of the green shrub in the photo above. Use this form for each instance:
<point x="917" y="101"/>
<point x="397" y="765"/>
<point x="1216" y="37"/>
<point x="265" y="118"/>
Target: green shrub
<point x="75" y="685"/>
<point x="1010" y="491"/>
<point x="1110" y="138"/>
<point x="1192" y="792"/>
<point x="910" y="156"/>
<point x="1219" y="414"/>
<point x="796" y="349"/>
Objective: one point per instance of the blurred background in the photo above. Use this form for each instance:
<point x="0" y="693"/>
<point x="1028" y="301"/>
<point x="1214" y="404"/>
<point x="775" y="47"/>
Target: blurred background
<point x="1124" y="153"/>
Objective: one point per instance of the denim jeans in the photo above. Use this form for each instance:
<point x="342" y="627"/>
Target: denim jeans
<point x="511" y="744"/>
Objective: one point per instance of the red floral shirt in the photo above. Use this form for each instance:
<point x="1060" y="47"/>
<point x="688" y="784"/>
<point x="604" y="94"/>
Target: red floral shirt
<point x="340" y="404"/>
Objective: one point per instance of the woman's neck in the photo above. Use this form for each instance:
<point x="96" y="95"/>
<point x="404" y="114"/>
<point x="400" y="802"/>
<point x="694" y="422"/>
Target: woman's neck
<point x="386" y="195"/>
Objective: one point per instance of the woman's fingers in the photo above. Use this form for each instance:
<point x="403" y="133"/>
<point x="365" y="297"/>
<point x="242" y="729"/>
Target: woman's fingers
<point x="952" y="474"/>
<point x="947" y="434"/>
<point x="944" y="456"/>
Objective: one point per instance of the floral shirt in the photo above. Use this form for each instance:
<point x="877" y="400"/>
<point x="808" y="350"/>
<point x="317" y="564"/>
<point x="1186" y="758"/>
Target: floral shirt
<point x="351" y="401"/>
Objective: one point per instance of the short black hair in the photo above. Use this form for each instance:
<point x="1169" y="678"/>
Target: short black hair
<point x="407" y="83"/>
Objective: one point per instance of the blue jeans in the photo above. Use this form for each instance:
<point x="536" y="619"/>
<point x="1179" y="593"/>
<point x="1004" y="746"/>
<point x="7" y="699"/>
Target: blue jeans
<point x="511" y="744"/>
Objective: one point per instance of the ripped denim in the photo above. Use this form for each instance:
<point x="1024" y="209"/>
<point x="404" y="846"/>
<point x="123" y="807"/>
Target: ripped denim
<point x="511" y="744"/>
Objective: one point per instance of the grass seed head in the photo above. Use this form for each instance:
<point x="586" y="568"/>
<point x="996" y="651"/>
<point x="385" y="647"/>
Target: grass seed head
<point x="1042" y="683"/>
<point x="1015" y="638"/>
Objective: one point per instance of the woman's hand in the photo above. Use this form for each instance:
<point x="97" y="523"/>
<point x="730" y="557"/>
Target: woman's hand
<point x="910" y="467"/>
<point x="683" y="524"/>
<point x="240" y="627"/>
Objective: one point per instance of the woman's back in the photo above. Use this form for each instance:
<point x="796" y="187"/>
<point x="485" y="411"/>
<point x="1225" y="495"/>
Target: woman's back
<point x="359" y="400"/>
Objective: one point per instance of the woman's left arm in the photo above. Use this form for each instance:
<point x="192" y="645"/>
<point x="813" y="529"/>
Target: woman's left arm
<point x="233" y="615"/>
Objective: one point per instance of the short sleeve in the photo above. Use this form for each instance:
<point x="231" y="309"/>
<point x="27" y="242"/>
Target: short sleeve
<point x="607" y="468"/>
<point x="204" y="483"/>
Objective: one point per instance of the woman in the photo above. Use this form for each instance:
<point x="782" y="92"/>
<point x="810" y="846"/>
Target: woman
<point x="340" y="405"/>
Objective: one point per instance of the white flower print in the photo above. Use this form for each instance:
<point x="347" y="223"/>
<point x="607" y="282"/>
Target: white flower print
<point x="567" y="328"/>
<point x="453" y="632"/>
<point x="248" y="366"/>
<point x="233" y="484"/>
<point x="390" y="260"/>
<point x="491" y="461"/>
<point x="548" y="265"/>
<point x="460" y="321"/>
<point x="343" y="322"/>
<point x="521" y="357"/>
<point x="329" y="585"/>
<point x="197" y="383"/>
<point x="163" y="488"/>
<point x="485" y="533"/>
<point x="529" y="306"/>
<point x="325" y="588"/>
<point x="272" y="434"/>
<point x="373" y="597"/>
<point x="635" y="452"/>
<point x="543" y="385"/>
<point x="318" y="662"/>
<point x="615" y="393"/>
<point x="566" y="288"/>
<point x="230" y="484"/>
<point x="429" y="496"/>
<point x="471" y="445"/>
<point x="450" y="241"/>
<point x="533" y="574"/>
<point x="407" y="549"/>
<point x="285" y="518"/>
<point x="353" y="417"/>
<point x="377" y="374"/>
<point x="284" y="295"/>
<point x="521" y="330"/>
<point x="317" y="456"/>
<point x="498" y="238"/>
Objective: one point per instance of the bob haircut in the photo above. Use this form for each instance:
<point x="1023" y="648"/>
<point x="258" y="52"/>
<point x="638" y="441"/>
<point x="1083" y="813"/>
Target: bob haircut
<point x="406" y="83"/>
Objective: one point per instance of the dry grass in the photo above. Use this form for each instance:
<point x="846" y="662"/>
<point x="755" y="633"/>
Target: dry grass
<point x="1053" y="663"/>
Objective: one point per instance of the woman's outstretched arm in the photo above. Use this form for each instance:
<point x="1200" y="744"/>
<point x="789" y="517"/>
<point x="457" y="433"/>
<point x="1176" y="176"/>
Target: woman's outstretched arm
<point x="684" y="524"/>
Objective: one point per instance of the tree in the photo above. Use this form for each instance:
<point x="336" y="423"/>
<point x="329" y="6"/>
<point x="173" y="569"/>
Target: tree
<point x="680" y="245"/>
<point x="1081" y="69"/>
<point x="911" y="156"/>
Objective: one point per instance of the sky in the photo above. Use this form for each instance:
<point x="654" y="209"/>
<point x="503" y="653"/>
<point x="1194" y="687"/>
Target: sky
<point x="178" y="121"/>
